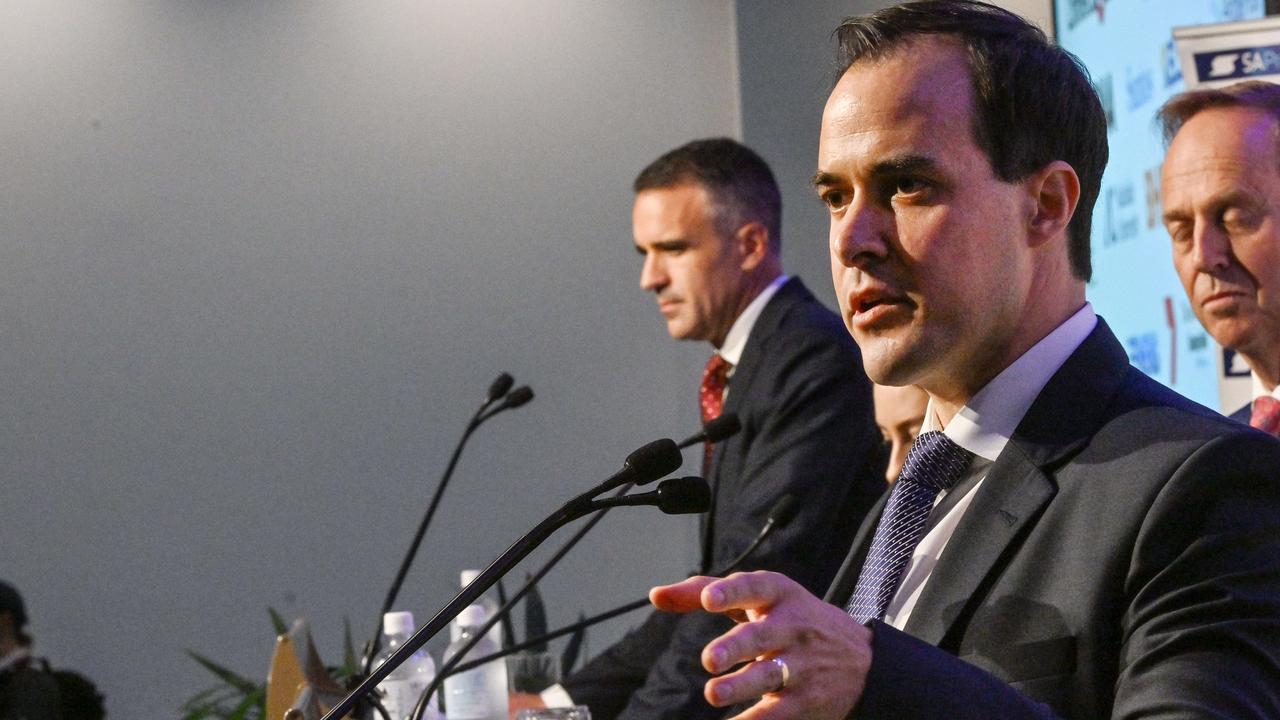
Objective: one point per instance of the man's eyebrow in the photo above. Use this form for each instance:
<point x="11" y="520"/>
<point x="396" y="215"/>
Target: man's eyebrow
<point x="1233" y="197"/>
<point x="900" y="165"/>
<point x="823" y="178"/>
<point x="670" y="244"/>
<point x="904" y="165"/>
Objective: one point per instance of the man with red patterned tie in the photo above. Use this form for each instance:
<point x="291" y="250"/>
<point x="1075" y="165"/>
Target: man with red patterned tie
<point x="706" y="221"/>
<point x="1221" y="187"/>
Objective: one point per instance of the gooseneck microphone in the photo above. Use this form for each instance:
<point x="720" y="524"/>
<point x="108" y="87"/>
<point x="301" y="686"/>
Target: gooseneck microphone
<point x="658" y="458"/>
<point x="727" y="425"/>
<point x="676" y="496"/>
<point x="499" y="398"/>
<point x="646" y="468"/>
<point x="781" y="513"/>
<point x="654" y="456"/>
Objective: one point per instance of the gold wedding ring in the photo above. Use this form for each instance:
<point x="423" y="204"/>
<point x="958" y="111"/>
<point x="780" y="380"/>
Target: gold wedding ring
<point x="786" y="673"/>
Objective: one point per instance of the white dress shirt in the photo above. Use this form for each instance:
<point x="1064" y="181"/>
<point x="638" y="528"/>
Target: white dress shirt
<point x="736" y="340"/>
<point x="983" y="427"/>
<point x="1260" y="390"/>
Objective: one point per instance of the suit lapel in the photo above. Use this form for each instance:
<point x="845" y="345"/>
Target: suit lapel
<point x="791" y="293"/>
<point x="1010" y="496"/>
<point x="1020" y="484"/>
<point x="841" y="588"/>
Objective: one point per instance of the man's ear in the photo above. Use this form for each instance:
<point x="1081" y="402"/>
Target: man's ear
<point x="1054" y="193"/>
<point x="753" y="244"/>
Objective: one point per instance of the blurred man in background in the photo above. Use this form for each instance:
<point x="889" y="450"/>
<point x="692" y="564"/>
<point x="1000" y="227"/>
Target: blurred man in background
<point x="1221" y="192"/>
<point x="707" y="223"/>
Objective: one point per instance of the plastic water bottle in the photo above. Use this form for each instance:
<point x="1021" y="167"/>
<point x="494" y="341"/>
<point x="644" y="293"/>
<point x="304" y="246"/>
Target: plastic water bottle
<point x="490" y="606"/>
<point x="400" y="690"/>
<point x="479" y="694"/>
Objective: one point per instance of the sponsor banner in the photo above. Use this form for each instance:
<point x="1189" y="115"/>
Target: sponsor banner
<point x="1216" y="55"/>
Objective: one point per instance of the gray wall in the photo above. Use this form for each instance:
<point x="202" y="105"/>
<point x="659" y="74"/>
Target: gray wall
<point x="260" y="262"/>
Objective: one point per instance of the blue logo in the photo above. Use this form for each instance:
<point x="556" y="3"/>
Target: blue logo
<point x="1238" y="63"/>
<point x="1140" y="86"/>
<point x="1169" y="61"/>
<point x="1143" y="353"/>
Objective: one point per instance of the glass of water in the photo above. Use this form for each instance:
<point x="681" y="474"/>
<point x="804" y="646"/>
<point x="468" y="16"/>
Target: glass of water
<point x="532" y="672"/>
<point x="578" y="712"/>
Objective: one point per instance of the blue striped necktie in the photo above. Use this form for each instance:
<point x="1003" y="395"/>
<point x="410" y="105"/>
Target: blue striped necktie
<point x="933" y="464"/>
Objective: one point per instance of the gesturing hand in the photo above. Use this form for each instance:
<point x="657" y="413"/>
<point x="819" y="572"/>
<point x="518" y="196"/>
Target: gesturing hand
<point x="824" y="655"/>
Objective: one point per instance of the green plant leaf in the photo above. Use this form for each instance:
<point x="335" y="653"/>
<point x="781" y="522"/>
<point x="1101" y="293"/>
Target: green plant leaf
<point x="227" y="676"/>
<point x="277" y="621"/>
<point x="254" y="705"/>
<point x="204" y="697"/>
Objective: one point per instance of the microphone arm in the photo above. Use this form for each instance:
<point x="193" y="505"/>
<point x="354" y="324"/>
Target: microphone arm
<point x="675" y="497"/>
<point x="782" y="512"/>
<point x="649" y="467"/>
<point x="714" y="431"/>
<point x="500" y="389"/>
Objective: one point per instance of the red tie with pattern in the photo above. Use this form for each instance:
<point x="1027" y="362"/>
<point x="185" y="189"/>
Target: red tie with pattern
<point x="711" y="398"/>
<point x="1266" y="415"/>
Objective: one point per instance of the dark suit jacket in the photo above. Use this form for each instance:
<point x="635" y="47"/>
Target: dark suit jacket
<point x="1244" y="414"/>
<point x="1121" y="559"/>
<point x="807" y="429"/>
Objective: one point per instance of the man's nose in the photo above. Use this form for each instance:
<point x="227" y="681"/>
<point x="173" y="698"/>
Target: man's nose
<point x="861" y="235"/>
<point x="1212" y="247"/>
<point x="653" y="274"/>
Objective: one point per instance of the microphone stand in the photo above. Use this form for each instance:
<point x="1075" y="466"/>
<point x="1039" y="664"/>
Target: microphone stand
<point x="653" y="460"/>
<point x="781" y="514"/>
<point x="716" y="430"/>
<point x="498" y="391"/>
<point x="449" y="667"/>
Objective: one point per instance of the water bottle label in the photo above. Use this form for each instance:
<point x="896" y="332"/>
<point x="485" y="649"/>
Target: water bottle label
<point x="401" y="696"/>
<point x="468" y="697"/>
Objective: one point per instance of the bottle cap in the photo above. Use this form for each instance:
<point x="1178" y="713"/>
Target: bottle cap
<point x="397" y="623"/>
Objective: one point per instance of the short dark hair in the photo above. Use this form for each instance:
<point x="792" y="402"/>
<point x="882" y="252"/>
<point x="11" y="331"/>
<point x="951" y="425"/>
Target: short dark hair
<point x="1252" y="94"/>
<point x="739" y="182"/>
<point x="1033" y="101"/>
<point x="12" y="605"/>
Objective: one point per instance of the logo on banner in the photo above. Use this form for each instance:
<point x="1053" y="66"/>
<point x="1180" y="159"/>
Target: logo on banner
<point x="1122" y="217"/>
<point x="1107" y="96"/>
<point x="1238" y="63"/>
<point x="1152" y="177"/>
<point x="1235" y="10"/>
<point x="1144" y="352"/>
<point x="1233" y="365"/>
<point x="1078" y="10"/>
<point x="1169" y="61"/>
<point x="1141" y="87"/>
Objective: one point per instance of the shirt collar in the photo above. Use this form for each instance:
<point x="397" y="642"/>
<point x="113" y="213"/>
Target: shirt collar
<point x="736" y="341"/>
<point x="1260" y="390"/>
<point x="985" y="423"/>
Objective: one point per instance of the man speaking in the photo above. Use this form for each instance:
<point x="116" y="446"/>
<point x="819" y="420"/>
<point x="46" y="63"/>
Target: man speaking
<point x="1067" y="537"/>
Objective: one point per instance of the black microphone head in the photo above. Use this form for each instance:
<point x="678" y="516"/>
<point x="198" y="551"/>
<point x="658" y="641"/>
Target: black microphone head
<point x="519" y="396"/>
<point x="500" y="386"/>
<point x="725" y="426"/>
<point x="684" y="495"/>
<point x="652" y="461"/>
<point x="783" y="511"/>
